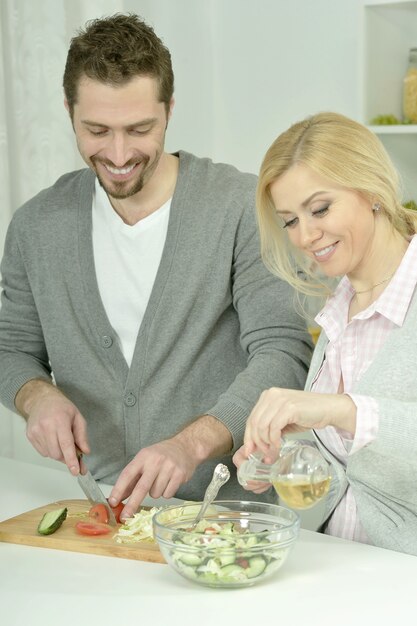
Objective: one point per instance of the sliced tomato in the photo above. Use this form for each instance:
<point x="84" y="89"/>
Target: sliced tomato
<point x="117" y="510"/>
<point x="92" y="529"/>
<point x="99" y="513"/>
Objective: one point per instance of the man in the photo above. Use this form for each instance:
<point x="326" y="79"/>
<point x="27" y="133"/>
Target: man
<point x="138" y="322"/>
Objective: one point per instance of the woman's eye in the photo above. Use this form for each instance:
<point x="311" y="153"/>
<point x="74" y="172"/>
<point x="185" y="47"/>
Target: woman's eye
<point x="290" y="223"/>
<point x="322" y="211"/>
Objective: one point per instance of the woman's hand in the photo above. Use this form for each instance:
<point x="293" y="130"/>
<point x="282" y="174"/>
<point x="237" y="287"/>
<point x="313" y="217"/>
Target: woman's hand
<point x="240" y="457"/>
<point x="281" y="411"/>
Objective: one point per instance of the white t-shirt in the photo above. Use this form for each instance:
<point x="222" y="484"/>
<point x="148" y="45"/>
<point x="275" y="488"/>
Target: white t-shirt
<point x="126" y="262"/>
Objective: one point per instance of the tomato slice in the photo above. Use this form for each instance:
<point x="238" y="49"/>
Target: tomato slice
<point x="117" y="510"/>
<point x="91" y="529"/>
<point x="99" y="513"/>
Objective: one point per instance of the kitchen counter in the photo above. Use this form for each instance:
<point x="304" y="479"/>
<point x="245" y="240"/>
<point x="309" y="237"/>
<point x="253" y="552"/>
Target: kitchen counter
<point x="325" y="581"/>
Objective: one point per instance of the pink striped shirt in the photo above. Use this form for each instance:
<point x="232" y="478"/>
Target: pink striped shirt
<point x="351" y="349"/>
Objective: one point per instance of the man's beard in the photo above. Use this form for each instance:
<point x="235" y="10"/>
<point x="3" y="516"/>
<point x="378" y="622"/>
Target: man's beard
<point x="120" y="190"/>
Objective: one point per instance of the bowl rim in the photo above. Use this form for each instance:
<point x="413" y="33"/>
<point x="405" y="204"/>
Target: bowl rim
<point x="292" y="525"/>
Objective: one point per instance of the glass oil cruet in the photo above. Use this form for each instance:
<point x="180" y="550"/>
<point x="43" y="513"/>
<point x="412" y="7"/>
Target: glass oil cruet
<point x="410" y="89"/>
<point x="300" y="475"/>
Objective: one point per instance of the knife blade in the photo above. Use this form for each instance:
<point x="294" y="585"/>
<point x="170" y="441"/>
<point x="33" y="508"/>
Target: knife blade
<point x="94" y="493"/>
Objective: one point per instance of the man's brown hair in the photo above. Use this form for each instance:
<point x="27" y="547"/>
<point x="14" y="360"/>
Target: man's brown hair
<point x="115" y="49"/>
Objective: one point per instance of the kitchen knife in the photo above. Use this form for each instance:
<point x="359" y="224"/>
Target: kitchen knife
<point x="93" y="492"/>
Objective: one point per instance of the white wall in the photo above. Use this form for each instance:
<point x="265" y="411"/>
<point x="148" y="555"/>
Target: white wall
<point x="245" y="69"/>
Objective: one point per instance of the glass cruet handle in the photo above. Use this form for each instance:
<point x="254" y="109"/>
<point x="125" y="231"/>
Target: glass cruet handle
<point x="254" y="469"/>
<point x="301" y="457"/>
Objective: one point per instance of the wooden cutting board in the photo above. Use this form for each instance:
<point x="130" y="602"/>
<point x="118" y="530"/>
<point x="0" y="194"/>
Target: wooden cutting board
<point x="23" y="530"/>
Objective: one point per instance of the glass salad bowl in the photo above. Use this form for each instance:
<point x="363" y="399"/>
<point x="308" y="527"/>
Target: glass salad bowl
<point x="236" y="544"/>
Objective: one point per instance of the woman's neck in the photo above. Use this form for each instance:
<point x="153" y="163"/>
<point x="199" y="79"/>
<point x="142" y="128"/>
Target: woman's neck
<point x="374" y="277"/>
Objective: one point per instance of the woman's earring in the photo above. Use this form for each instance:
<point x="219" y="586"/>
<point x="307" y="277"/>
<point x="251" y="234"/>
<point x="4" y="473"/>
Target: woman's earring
<point x="376" y="207"/>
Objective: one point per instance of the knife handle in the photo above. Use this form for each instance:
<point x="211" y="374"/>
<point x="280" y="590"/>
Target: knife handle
<point x="80" y="459"/>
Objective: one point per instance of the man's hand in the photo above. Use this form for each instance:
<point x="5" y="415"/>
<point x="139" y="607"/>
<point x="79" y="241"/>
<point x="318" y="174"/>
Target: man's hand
<point x="158" y="470"/>
<point x="54" y="424"/>
<point x="280" y="411"/>
<point x="162" y="468"/>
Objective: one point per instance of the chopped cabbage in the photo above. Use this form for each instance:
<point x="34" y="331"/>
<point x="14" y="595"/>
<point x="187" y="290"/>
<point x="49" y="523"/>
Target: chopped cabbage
<point x="138" y="527"/>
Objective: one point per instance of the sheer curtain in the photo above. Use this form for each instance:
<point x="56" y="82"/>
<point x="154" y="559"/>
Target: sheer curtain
<point x="36" y="138"/>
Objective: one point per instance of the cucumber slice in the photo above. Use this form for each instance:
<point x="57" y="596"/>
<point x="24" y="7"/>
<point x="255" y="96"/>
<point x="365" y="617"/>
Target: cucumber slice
<point x="186" y="570"/>
<point x="232" y="574"/>
<point x="208" y="577"/>
<point x="273" y="566"/>
<point x="227" y="558"/>
<point x="231" y="570"/>
<point x="248" y="542"/>
<point x="257" y="565"/>
<point x="189" y="558"/>
<point x="51" y="521"/>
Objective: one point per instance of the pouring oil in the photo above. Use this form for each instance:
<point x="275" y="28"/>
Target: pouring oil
<point x="299" y="492"/>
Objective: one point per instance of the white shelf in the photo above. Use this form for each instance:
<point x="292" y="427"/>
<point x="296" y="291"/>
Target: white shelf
<point x="394" y="129"/>
<point x="384" y="3"/>
<point x="389" y="31"/>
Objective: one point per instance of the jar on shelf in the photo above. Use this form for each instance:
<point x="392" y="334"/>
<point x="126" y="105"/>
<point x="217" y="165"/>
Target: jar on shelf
<point x="410" y="89"/>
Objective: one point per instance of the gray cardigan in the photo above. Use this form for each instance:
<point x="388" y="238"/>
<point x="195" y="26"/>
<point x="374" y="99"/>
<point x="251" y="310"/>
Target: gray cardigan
<point x="383" y="475"/>
<point x="217" y="330"/>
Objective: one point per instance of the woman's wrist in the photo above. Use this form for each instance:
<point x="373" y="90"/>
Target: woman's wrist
<point x="346" y="415"/>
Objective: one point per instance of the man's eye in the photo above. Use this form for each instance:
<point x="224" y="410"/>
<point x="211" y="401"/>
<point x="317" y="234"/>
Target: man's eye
<point x="98" y="133"/>
<point x="290" y="223"/>
<point x="137" y="131"/>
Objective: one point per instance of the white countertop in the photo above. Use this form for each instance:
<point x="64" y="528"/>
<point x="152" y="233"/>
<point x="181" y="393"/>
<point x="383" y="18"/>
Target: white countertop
<point x="326" y="581"/>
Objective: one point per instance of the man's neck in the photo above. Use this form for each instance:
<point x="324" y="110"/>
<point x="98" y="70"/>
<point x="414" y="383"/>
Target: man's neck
<point x="154" y="194"/>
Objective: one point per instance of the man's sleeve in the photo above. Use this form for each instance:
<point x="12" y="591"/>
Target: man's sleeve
<point x="23" y="354"/>
<point x="272" y="333"/>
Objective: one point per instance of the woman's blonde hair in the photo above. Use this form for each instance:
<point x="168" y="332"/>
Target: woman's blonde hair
<point x="346" y="153"/>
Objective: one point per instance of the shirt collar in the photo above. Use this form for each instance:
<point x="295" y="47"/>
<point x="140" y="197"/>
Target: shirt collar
<point x="333" y="317"/>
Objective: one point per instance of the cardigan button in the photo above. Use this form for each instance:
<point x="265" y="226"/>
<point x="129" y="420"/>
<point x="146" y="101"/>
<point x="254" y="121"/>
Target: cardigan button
<point x="106" y="341"/>
<point x="130" y="399"/>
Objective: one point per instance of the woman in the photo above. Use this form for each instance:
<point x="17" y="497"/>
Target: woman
<point x="328" y="206"/>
